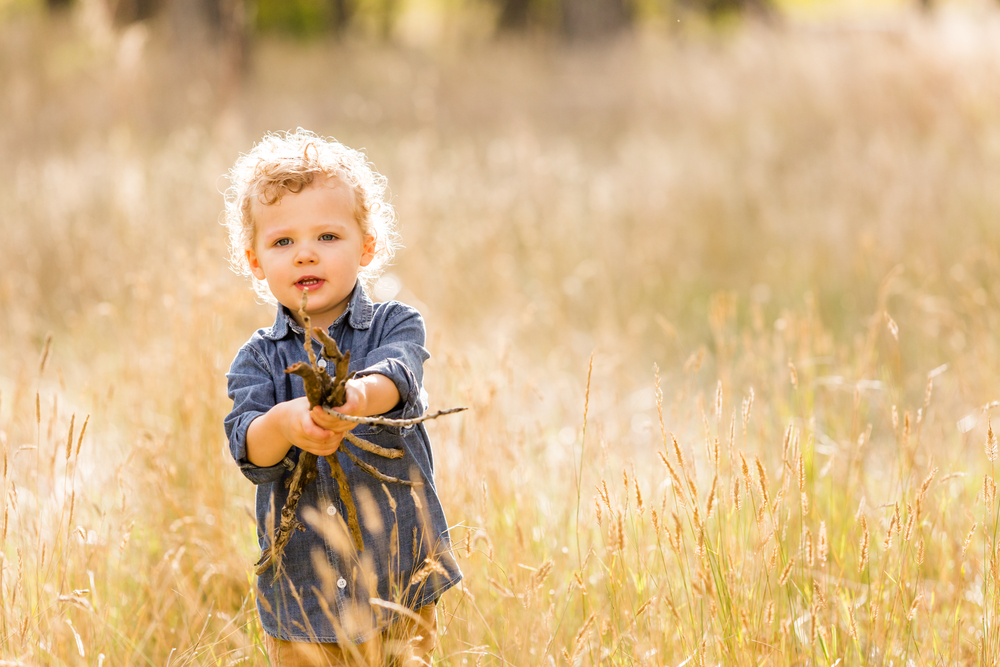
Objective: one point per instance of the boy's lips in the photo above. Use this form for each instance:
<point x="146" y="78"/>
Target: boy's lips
<point x="310" y="283"/>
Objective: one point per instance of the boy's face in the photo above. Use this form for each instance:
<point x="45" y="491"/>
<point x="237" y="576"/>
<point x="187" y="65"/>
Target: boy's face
<point x="311" y="241"/>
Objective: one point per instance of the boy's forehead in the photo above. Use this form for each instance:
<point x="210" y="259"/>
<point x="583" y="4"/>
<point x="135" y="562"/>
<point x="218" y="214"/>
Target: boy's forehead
<point x="277" y="192"/>
<point x="334" y="183"/>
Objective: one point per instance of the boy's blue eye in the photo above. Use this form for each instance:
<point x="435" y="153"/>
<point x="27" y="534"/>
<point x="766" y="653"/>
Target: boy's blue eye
<point x="327" y="237"/>
<point x="282" y="242"/>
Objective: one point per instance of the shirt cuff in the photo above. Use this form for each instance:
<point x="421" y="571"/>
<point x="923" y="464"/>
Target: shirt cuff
<point x="255" y="473"/>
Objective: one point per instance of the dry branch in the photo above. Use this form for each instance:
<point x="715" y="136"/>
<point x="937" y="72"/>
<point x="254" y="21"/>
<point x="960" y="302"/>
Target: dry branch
<point x="330" y="393"/>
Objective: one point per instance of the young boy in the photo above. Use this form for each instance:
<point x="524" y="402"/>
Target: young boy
<point x="306" y="213"/>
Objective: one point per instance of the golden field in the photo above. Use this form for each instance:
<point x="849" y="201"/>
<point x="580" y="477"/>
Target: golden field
<point x="797" y="226"/>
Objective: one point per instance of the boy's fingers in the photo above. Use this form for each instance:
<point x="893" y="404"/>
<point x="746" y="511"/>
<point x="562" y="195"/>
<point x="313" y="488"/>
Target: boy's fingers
<point x="331" y="422"/>
<point x="314" y="431"/>
<point x="322" y="418"/>
<point x="323" y="448"/>
<point x="349" y="406"/>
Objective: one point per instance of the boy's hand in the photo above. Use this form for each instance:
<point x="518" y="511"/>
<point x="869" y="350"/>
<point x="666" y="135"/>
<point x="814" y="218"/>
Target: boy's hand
<point x="301" y="428"/>
<point x="315" y="431"/>
<point x="356" y="405"/>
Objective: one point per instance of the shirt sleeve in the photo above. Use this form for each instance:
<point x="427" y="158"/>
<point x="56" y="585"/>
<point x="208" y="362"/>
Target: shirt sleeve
<point x="252" y="391"/>
<point x="400" y="356"/>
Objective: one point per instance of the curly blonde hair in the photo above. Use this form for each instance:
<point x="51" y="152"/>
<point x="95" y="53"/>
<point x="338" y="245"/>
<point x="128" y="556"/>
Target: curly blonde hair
<point x="285" y="162"/>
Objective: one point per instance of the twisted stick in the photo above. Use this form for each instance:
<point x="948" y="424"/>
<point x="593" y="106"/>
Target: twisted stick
<point x="372" y="448"/>
<point x="330" y="392"/>
<point x="384" y="421"/>
<point x="304" y="473"/>
<point x="345" y="497"/>
<point x="374" y="472"/>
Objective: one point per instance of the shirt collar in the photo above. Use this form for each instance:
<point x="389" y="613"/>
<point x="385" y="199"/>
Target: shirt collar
<point x="359" y="311"/>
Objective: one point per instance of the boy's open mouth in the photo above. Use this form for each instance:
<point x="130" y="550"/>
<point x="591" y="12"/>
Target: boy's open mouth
<point x="310" y="283"/>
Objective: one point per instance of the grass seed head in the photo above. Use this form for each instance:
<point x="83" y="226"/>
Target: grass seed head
<point x="79" y="440"/>
<point x="863" y="546"/>
<point x="913" y="607"/>
<point x="968" y="539"/>
<point x="853" y="626"/>
<point x="718" y="402"/>
<point x="820" y="598"/>
<point x="802" y="473"/>
<point x="786" y="572"/>
<point x="892" y="327"/>
<point x="677" y="452"/>
<point x="887" y="543"/>
<point x="711" y="498"/>
<point x="69" y="438"/>
<point x="991" y="443"/>
<point x="926" y="484"/>
<point x="747" y="407"/>
<point x="762" y="480"/>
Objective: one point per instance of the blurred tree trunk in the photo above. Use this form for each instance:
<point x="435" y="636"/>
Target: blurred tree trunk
<point x="760" y="8"/>
<point x="514" y="15"/>
<point x="589" y="20"/>
<point x="388" y="12"/>
<point x="218" y="23"/>
<point x="220" y="28"/>
<point x="130" y="11"/>
<point x="340" y="15"/>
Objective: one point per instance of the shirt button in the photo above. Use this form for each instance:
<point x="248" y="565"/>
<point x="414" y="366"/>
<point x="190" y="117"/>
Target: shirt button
<point x="341" y="583"/>
<point x="321" y="363"/>
<point x="331" y="510"/>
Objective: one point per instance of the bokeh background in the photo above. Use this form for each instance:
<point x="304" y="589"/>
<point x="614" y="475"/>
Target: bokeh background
<point x="789" y="208"/>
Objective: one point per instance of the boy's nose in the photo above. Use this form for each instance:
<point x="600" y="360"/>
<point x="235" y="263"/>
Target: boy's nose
<point x="305" y="255"/>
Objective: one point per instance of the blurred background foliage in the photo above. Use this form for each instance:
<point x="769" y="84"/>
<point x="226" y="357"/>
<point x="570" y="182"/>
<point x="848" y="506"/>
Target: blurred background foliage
<point x="580" y="20"/>
<point x="723" y="189"/>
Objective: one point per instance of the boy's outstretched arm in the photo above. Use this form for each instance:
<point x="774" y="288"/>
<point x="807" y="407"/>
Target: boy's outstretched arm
<point x="272" y="434"/>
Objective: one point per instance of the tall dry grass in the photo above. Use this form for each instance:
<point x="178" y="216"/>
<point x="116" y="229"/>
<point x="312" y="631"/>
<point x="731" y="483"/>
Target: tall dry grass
<point x="806" y="479"/>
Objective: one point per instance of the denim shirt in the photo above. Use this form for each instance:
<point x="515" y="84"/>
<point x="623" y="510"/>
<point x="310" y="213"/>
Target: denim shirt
<point x="324" y="588"/>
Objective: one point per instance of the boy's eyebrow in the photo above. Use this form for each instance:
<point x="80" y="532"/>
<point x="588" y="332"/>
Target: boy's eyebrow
<point x="284" y="229"/>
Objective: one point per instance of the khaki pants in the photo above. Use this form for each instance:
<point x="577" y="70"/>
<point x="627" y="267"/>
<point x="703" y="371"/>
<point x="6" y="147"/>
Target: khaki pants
<point x="405" y="644"/>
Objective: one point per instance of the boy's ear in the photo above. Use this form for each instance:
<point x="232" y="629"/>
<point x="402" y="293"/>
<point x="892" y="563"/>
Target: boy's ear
<point x="254" y="263"/>
<point x="368" y="250"/>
